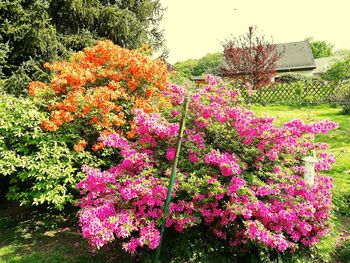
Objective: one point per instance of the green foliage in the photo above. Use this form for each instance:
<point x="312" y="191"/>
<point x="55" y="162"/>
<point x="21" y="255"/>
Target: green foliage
<point x="297" y="77"/>
<point x="342" y="202"/>
<point x="344" y="251"/>
<point x="341" y="95"/>
<point x="339" y="70"/>
<point x="291" y="78"/>
<point x="321" y="49"/>
<point x="39" y="31"/>
<point x="41" y="165"/>
<point x="4" y="49"/>
<point x="210" y="63"/>
<point x="198" y="245"/>
<point x="342" y="52"/>
<point x="25" y="27"/>
<point x="49" y="236"/>
<point x="186" y="68"/>
<point x="127" y="23"/>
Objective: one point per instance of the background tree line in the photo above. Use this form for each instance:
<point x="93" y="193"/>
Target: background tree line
<point x="212" y="62"/>
<point x="33" y="32"/>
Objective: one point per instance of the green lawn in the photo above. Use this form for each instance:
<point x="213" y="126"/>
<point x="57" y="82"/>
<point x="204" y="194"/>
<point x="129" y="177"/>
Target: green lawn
<point x="43" y="237"/>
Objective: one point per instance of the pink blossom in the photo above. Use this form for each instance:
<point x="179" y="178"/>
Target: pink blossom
<point x="170" y="154"/>
<point x="239" y="176"/>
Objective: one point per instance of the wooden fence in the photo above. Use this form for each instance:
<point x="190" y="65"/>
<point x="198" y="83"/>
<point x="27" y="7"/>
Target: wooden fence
<point x="293" y="93"/>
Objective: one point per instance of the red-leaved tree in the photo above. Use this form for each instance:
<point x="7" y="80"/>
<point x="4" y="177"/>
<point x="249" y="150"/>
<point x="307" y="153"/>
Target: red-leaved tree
<point x="250" y="59"/>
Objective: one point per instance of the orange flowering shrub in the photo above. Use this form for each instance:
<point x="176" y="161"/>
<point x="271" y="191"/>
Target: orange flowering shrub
<point x="99" y="87"/>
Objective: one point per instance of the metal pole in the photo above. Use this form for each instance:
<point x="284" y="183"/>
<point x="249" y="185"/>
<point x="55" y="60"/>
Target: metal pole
<point x="172" y="179"/>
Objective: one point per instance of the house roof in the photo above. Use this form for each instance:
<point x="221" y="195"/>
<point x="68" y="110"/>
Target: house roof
<point x="296" y="55"/>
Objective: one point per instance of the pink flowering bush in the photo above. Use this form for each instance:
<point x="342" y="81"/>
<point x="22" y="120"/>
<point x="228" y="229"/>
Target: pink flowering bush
<point x="238" y="174"/>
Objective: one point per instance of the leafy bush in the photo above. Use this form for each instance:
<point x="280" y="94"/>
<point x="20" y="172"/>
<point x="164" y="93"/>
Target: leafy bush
<point x="4" y="50"/>
<point x="199" y="245"/>
<point x="186" y="68"/>
<point x="344" y="250"/>
<point x="210" y="63"/>
<point x="341" y="95"/>
<point x="45" y="140"/>
<point x="338" y="71"/>
<point x="239" y="176"/>
<point x="291" y="77"/>
<point x="42" y="166"/>
<point x="297" y="77"/>
<point x="321" y="49"/>
<point x="342" y="202"/>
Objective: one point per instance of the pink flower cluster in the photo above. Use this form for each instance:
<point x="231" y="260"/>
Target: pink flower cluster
<point x="227" y="162"/>
<point x="175" y="93"/>
<point x="119" y="206"/>
<point x="239" y="174"/>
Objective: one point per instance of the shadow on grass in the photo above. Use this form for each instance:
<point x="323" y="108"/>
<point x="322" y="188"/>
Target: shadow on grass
<point x="46" y="237"/>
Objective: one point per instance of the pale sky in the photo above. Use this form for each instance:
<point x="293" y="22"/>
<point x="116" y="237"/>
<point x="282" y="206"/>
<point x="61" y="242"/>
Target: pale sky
<point x="194" y="28"/>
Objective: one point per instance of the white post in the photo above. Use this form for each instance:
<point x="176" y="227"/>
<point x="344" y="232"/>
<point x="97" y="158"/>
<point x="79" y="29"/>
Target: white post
<point x="309" y="167"/>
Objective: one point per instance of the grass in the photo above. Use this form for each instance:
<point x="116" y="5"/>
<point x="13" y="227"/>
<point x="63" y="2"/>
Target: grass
<point x="44" y="237"/>
<point x="40" y="237"/>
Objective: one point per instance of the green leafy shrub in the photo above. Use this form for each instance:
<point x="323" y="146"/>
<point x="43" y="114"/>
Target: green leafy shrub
<point x="292" y="77"/>
<point x="342" y="202"/>
<point x="344" y="251"/>
<point x="40" y="165"/>
<point x="297" y="77"/>
<point x="210" y="63"/>
<point x="341" y="95"/>
<point x="44" y="140"/>
<point x="339" y="70"/>
<point x="321" y="48"/>
<point x="198" y="245"/>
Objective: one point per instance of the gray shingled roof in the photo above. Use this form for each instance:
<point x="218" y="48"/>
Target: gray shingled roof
<point x="296" y="55"/>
